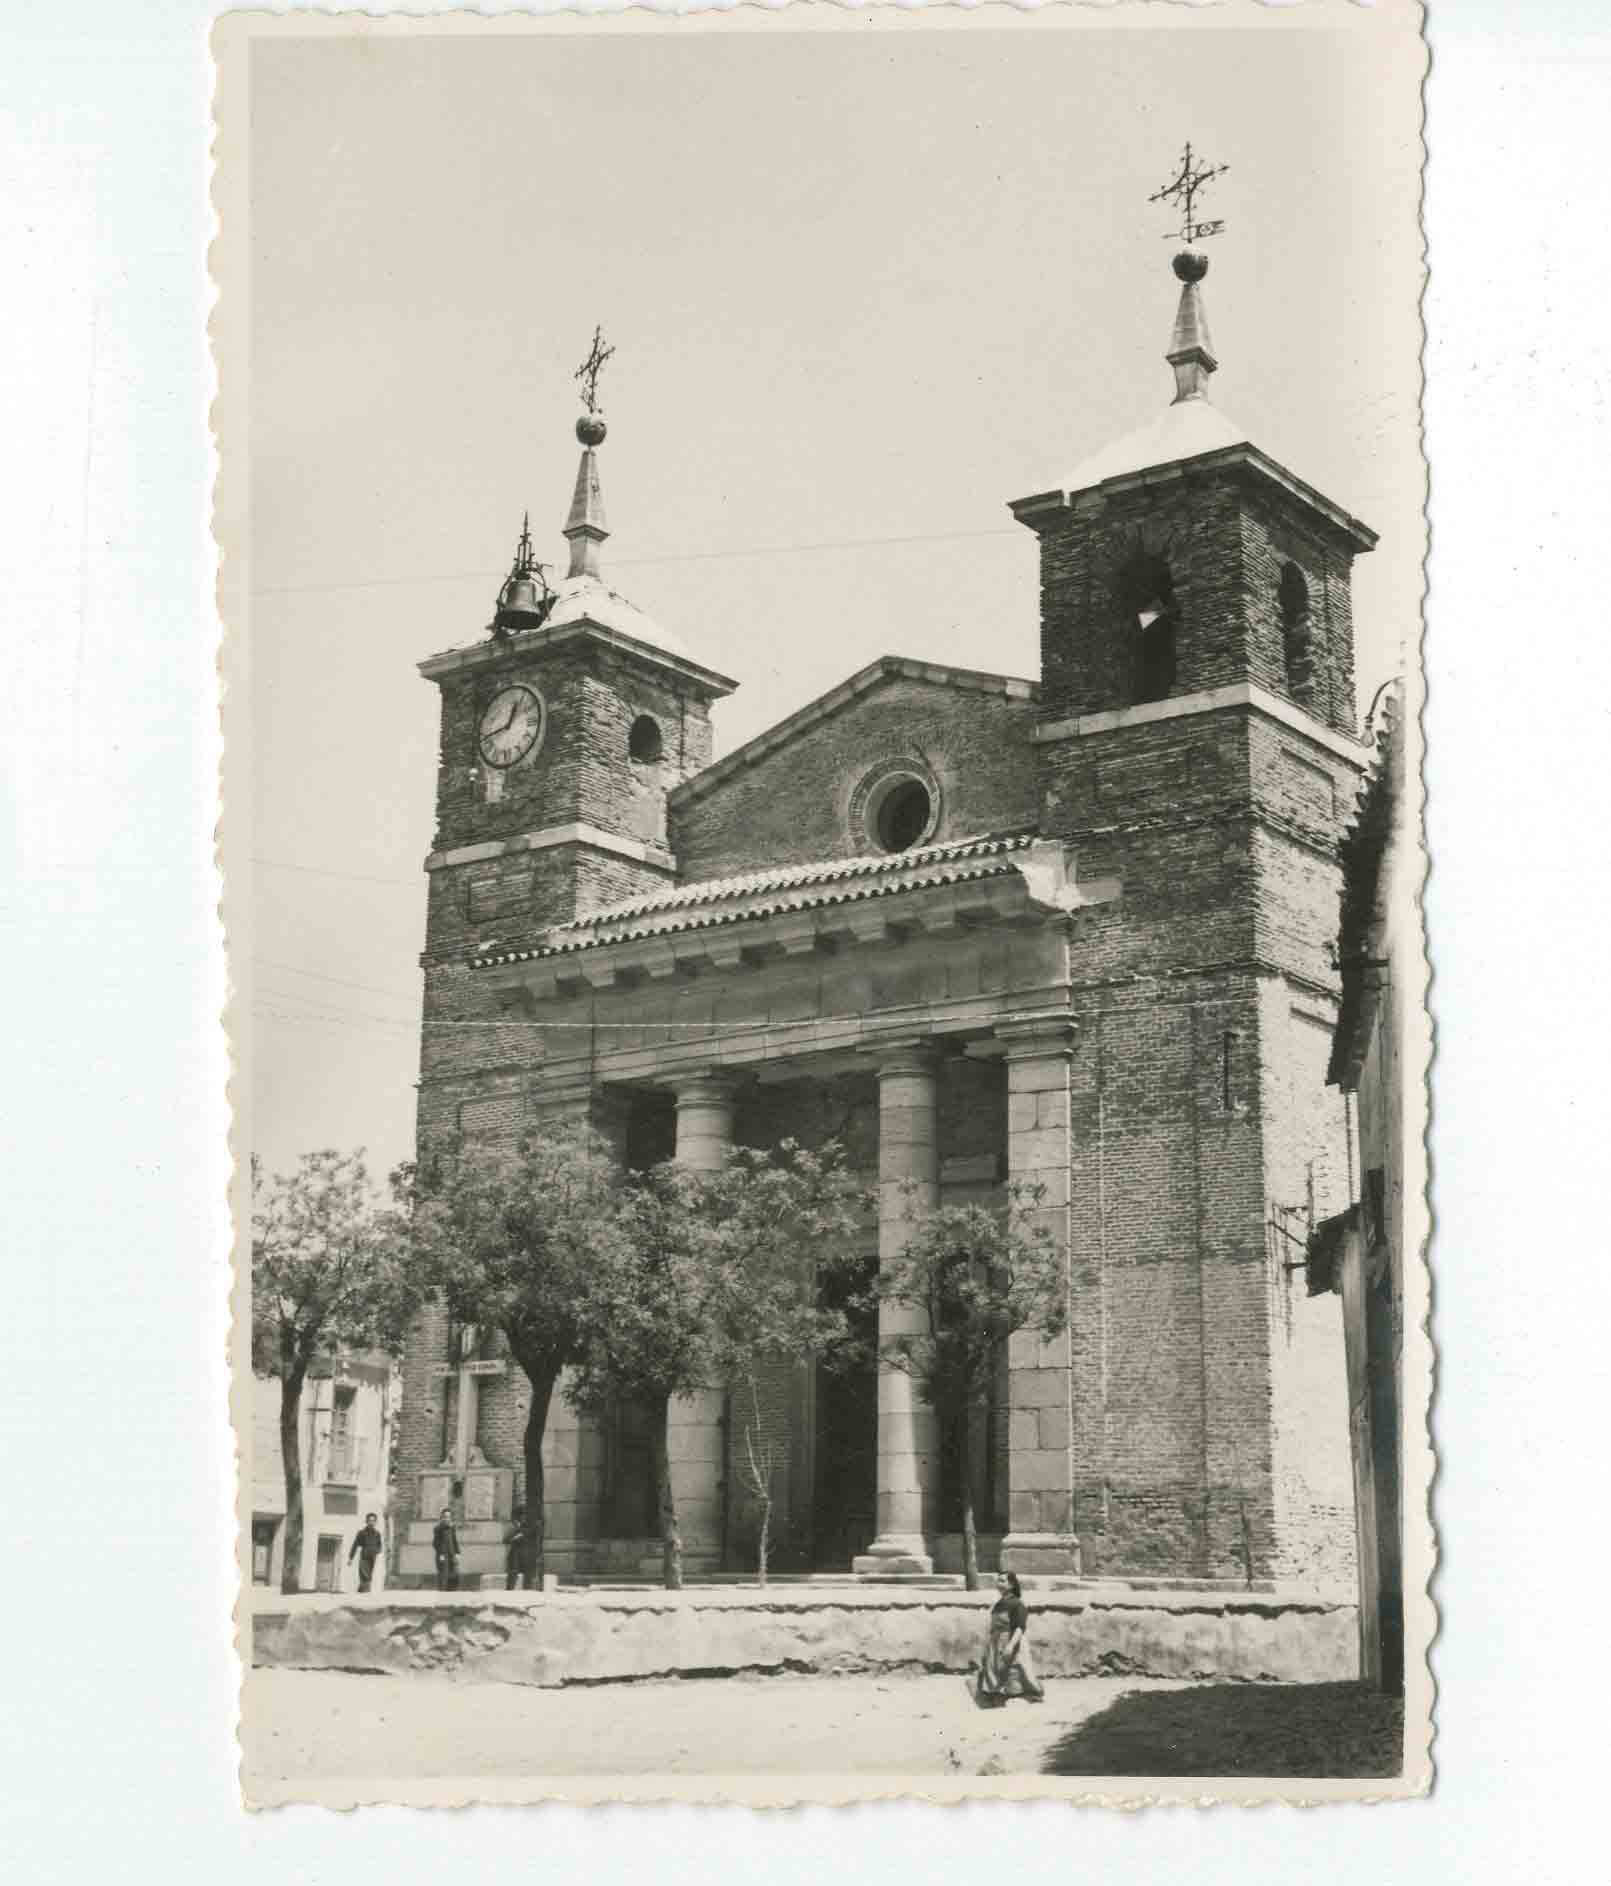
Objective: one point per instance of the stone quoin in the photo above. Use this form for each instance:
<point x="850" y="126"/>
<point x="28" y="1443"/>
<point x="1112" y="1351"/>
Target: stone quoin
<point x="1071" y="929"/>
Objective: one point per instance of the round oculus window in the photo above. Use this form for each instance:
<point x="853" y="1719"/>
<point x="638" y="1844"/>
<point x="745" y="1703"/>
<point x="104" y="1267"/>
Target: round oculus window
<point x="898" y="808"/>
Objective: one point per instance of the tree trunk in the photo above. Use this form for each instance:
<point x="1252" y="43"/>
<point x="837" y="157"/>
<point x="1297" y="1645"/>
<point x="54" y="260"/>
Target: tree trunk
<point x="670" y="1536"/>
<point x="542" y="1378"/>
<point x="970" y="1536"/>
<point x="291" y="1464"/>
<point x="766" y="1538"/>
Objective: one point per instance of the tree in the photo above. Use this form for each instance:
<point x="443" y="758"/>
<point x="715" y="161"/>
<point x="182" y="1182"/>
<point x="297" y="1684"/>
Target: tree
<point x="710" y="1277"/>
<point x="978" y="1275"/>
<point x="330" y="1270"/>
<point x="763" y="1454"/>
<point x="509" y="1232"/>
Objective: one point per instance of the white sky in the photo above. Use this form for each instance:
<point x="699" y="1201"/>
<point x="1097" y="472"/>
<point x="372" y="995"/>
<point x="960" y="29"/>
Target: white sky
<point x="863" y="290"/>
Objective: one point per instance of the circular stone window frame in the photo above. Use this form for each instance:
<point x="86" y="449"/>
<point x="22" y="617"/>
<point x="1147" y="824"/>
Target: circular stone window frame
<point x="873" y="791"/>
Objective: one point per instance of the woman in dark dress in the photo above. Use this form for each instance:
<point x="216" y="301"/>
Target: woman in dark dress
<point x="1006" y="1668"/>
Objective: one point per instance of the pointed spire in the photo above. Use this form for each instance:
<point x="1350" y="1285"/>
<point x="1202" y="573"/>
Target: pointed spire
<point x="1191" y="350"/>
<point x="586" y="527"/>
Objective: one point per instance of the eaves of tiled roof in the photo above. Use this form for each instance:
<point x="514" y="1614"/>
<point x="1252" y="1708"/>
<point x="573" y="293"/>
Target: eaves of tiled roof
<point x="775" y="892"/>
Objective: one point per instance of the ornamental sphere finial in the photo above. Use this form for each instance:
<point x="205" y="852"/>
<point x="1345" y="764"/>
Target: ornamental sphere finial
<point x="590" y="429"/>
<point x="1189" y="267"/>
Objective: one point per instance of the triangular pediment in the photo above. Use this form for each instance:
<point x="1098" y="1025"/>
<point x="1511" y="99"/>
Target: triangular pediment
<point x="886" y="671"/>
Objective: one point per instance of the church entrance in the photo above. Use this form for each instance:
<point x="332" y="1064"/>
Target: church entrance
<point x="844" y="1494"/>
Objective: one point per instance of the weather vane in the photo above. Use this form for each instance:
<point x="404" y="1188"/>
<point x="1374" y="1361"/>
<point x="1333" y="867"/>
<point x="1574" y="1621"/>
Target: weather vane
<point x="590" y="369"/>
<point x="1183" y="194"/>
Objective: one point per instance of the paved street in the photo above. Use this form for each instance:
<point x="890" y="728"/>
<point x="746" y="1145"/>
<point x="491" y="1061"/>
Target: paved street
<point x="319" y="1724"/>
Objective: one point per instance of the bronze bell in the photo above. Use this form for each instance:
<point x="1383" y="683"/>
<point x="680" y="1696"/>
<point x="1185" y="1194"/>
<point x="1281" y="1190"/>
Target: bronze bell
<point x="522" y="594"/>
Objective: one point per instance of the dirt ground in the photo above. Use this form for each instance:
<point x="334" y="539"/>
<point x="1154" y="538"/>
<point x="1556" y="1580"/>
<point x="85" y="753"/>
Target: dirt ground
<point x="322" y="1725"/>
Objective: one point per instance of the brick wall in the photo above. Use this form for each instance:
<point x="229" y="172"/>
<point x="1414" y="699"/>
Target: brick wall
<point x="1206" y="1432"/>
<point x="794" y="803"/>
<point x="1171" y="1404"/>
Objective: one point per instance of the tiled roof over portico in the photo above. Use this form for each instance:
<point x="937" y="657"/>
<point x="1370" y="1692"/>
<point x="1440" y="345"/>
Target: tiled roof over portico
<point x="759" y="894"/>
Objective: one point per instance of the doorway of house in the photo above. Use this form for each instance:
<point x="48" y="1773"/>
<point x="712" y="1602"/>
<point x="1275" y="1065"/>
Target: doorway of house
<point x="326" y="1571"/>
<point x="844" y="1494"/>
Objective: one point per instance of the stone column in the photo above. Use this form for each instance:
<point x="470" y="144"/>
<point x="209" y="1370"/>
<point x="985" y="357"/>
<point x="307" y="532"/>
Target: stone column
<point x="696" y="1423"/>
<point x="1041" y="1534"/>
<point x="908" y="1157"/>
<point x="704" y="1121"/>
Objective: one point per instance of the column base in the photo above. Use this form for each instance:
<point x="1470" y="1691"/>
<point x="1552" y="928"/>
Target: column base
<point x="1041" y="1553"/>
<point x="899" y="1555"/>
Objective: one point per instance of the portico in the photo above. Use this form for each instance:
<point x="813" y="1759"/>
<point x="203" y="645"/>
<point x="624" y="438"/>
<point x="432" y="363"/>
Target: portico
<point x="913" y="977"/>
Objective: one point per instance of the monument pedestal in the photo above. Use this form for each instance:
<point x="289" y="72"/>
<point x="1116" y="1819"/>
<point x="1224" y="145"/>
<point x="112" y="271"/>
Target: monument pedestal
<point x="482" y="1492"/>
<point x="1041" y="1554"/>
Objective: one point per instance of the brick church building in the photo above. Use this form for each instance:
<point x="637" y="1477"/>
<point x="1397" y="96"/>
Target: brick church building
<point x="978" y="927"/>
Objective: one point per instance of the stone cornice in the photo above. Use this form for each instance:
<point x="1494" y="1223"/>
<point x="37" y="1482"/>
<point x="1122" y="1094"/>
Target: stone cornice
<point x="1210" y="700"/>
<point x="578" y="832"/>
<point x="1039" y="507"/>
<point x="492" y="652"/>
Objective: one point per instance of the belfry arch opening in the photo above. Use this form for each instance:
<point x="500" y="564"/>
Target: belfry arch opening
<point x="1292" y="596"/>
<point x="1152" y="620"/>
<point x="645" y="742"/>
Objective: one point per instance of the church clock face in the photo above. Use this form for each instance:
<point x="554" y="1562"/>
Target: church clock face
<point x="511" y="725"/>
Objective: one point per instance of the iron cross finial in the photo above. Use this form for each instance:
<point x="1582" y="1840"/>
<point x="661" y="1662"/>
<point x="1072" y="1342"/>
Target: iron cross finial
<point x="590" y="369"/>
<point x="1182" y="193"/>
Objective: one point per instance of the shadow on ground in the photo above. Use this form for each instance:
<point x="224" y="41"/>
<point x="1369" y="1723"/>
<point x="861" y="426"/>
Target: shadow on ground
<point x="1264" y="1729"/>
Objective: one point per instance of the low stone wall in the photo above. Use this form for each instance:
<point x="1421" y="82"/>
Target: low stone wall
<point x="553" y="1638"/>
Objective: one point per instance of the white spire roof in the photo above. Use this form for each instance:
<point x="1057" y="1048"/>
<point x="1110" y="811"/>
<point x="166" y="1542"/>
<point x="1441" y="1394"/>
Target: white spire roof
<point x="1191" y="427"/>
<point x="1182" y="430"/>
<point x="590" y="599"/>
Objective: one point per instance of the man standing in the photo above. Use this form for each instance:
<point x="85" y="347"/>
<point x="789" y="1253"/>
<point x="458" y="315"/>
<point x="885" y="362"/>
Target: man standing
<point x="367" y="1546"/>
<point x="515" y="1548"/>
<point x="445" y="1542"/>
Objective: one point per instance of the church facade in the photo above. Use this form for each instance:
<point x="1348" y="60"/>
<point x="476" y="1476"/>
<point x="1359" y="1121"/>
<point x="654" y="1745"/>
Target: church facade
<point x="1071" y="929"/>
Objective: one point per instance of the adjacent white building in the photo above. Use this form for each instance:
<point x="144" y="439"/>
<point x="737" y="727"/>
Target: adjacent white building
<point x="346" y="1431"/>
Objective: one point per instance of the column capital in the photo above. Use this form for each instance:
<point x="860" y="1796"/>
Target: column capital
<point x="702" y="1087"/>
<point x="912" y="1054"/>
<point x="1037" y="1037"/>
<point x="572" y="1095"/>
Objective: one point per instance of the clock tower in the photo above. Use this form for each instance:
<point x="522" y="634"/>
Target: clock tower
<point x="564" y="727"/>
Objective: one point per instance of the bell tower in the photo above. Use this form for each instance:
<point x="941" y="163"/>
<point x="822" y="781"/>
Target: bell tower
<point x="564" y="727"/>
<point x="1197" y="747"/>
<point x="1182" y="559"/>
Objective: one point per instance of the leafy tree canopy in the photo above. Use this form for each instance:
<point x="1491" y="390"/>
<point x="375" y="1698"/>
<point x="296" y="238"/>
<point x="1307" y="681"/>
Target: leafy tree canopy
<point x="331" y="1265"/>
<point x="978" y="1274"/>
<point x="706" y="1276"/>
<point x="511" y="1231"/>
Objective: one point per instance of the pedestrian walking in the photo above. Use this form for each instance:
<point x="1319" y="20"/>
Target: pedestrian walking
<point x="367" y="1546"/>
<point x="445" y="1541"/>
<point x="1006" y="1668"/>
<point x="515" y="1543"/>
